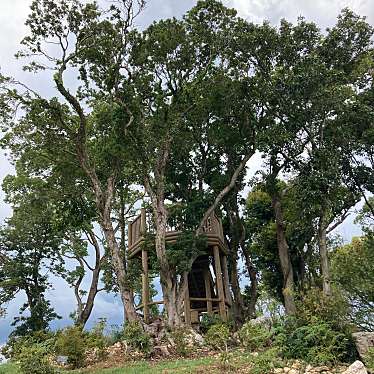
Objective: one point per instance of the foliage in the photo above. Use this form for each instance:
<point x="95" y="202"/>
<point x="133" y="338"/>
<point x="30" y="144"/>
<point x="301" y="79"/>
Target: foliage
<point x="182" y="344"/>
<point x="15" y="344"/>
<point x="353" y="271"/>
<point x="265" y="361"/>
<point x="96" y="339"/>
<point x="136" y="338"/>
<point x="332" y="309"/>
<point x="316" y="342"/>
<point x="209" y="320"/>
<point x="254" y="336"/>
<point x="34" y="359"/>
<point x="71" y="342"/>
<point x="369" y="358"/>
<point x="217" y="337"/>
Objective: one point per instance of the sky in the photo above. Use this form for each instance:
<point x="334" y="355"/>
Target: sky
<point x="13" y="14"/>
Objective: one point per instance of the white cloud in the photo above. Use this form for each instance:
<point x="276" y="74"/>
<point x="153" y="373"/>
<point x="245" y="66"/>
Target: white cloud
<point x="323" y="12"/>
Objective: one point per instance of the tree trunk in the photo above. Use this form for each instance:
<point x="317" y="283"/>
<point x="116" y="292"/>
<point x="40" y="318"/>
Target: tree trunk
<point x="120" y="271"/>
<point x="322" y="244"/>
<point x="284" y="257"/>
<point x="85" y="312"/>
<point x="254" y="283"/>
<point x="238" y="304"/>
<point x="168" y="277"/>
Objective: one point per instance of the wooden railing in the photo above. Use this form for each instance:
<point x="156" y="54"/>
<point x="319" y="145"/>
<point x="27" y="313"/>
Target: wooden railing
<point x="142" y="225"/>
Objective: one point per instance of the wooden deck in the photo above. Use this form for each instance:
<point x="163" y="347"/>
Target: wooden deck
<point x="142" y="226"/>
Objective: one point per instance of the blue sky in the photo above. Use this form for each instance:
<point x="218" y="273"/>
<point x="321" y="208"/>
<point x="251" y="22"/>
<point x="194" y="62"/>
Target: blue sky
<point x="13" y="14"/>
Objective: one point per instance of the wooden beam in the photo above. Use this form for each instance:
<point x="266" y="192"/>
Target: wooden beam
<point x="219" y="281"/>
<point x="145" y="286"/>
<point x="208" y="292"/>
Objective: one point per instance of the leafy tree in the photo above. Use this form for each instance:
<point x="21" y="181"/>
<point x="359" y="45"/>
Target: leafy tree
<point x="29" y="251"/>
<point x="352" y="270"/>
<point x="81" y="133"/>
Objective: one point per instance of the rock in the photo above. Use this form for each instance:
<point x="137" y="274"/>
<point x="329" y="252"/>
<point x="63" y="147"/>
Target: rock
<point x="161" y="350"/>
<point x="278" y="371"/>
<point x="156" y="329"/>
<point x="363" y="341"/>
<point x="293" y="371"/>
<point x="263" y="321"/>
<point x="286" y="369"/>
<point x="356" y="368"/>
<point x="62" y="360"/>
<point x="193" y="338"/>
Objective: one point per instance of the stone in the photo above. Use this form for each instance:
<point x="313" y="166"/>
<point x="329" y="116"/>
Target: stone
<point x="161" y="350"/>
<point x="356" y="368"/>
<point x="263" y="321"/>
<point x="364" y="341"/>
<point x="278" y="371"/>
<point x="193" y="338"/>
<point x="293" y="371"/>
<point x="62" y="360"/>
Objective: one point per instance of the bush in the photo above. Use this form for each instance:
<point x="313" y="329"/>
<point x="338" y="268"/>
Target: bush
<point x="96" y="339"/>
<point x="136" y="338"/>
<point x="316" y="342"/>
<point x="332" y="309"/>
<point x="16" y="343"/>
<point x="71" y="342"/>
<point x="180" y="337"/>
<point x="254" y="336"/>
<point x="34" y="360"/>
<point x="217" y="337"/>
<point x="208" y="321"/>
<point x="266" y="361"/>
<point x="369" y="359"/>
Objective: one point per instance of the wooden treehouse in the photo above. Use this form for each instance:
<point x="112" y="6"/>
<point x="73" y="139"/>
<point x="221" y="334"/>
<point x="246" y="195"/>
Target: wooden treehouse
<point x="208" y="289"/>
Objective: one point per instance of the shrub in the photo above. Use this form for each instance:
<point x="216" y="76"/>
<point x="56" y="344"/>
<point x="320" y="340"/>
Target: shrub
<point x="208" y="321"/>
<point x="180" y="337"/>
<point x="16" y="343"/>
<point x="266" y="361"/>
<point x="34" y="360"/>
<point x="136" y="338"/>
<point x="332" y="309"/>
<point x="254" y="336"/>
<point x="96" y="339"/>
<point x="71" y="342"/>
<point x="217" y="337"/>
<point x="369" y="359"/>
<point x="316" y="342"/>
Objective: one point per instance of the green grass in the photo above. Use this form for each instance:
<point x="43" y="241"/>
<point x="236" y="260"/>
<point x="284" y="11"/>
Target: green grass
<point x="206" y="365"/>
<point x="8" y="369"/>
<point x="177" y="366"/>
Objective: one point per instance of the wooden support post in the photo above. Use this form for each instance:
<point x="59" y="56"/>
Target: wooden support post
<point x="187" y="306"/>
<point x="220" y="289"/>
<point x="145" y="286"/>
<point x="208" y="293"/>
<point x="129" y="234"/>
<point x="143" y="223"/>
<point x="226" y="279"/>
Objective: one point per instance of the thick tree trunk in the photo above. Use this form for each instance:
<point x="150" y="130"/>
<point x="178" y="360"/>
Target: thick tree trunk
<point x="322" y="244"/>
<point x="284" y="257"/>
<point x="168" y="278"/>
<point x="120" y="271"/>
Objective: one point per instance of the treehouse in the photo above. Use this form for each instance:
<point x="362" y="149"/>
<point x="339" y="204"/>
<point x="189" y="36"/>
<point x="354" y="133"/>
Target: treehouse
<point x="208" y="281"/>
